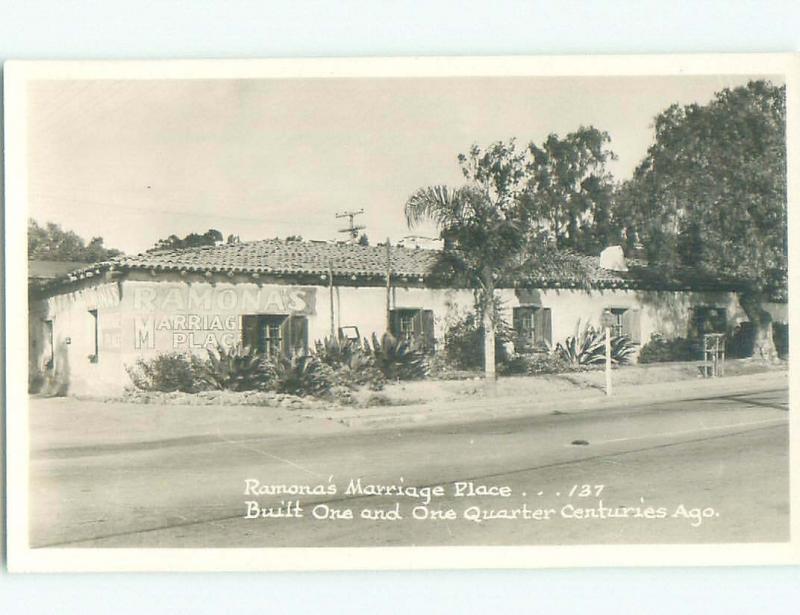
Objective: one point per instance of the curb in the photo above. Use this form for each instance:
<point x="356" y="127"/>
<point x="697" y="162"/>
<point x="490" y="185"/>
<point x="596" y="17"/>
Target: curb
<point x="487" y="409"/>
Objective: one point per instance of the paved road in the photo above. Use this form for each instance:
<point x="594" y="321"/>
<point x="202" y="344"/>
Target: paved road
<point x="706" y="470"/>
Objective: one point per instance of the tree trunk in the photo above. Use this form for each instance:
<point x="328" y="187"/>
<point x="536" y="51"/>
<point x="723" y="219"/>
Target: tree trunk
<point x="488" y="326"/>
<point x="763" y="344"/>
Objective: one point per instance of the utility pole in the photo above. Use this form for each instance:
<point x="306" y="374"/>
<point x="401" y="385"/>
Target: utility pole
<point x="352" y="229"/>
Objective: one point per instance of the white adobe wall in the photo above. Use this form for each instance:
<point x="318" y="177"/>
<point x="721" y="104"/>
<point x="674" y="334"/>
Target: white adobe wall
<point x="137" y="318"/>
<point x="73" y="341"/>
<point x="665" y="312"/>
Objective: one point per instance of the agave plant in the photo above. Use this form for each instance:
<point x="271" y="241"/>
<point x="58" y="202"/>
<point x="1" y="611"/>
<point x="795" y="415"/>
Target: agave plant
<point x="340" y="351"/>
<point x="237" y="368"/>
<point x="398" y="359"/>
<point x="302" y="375"/>
<point x="588" y="347"/>
<point x="622" y="349"/>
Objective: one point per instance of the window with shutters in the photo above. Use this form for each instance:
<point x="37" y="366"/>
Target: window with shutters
<point x="525" y="325"/>
<point x="275" y="334"/>
<point x="624" y="321"/>
<point x="413" y="323"/>
<point x="532" y="328"/>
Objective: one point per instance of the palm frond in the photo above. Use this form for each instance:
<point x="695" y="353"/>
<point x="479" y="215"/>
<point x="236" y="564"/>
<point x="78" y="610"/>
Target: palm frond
<point x="439" y="204"/>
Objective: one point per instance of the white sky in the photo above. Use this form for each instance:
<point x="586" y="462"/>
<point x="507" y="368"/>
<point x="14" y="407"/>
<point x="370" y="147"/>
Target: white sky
<point x="135" y="161"/>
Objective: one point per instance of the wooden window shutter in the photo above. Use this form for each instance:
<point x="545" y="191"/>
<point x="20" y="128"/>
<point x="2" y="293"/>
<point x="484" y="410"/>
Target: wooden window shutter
<point x="547" y="326"/>
<point x="632" y="326"/>
<point x="417" y="327"/>
<point x="427" y="329"/>
<point x="517" y="320"/>
<point x="250" y="332"/>
<point x="297" y="340"/>
<point x="542" y="333"/>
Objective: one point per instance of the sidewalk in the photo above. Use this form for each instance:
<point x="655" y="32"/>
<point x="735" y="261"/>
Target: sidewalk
<point x="500" y="406"/>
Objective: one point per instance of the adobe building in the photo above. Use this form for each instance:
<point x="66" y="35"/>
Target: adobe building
<point x="281" y="296"/>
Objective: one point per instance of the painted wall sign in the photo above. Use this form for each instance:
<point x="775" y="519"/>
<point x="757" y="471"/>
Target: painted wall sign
<point x="194" y="316"/>
<point x="219" y="299"/>
<point x="186" y="331"/>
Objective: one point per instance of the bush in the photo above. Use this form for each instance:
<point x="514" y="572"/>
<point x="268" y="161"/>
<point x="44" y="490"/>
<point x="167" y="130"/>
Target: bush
<point x="369" y="376"/>
<point x="536" y="364"/>
<point x="397" y="359"/>
<point x="463" y="342"/>
<point x="441" y="368"/>
<point x="338" y="351"/>
<point x="302" y="375"/>
<point x="587" y="347"/>
<point x="352" y="364"/>
<point x="173" y="371"/>
<point x="660" y="349"/>
<point x="237" y="369"/>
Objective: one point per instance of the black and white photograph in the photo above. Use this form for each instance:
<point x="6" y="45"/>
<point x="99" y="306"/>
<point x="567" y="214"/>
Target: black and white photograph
<point x="358" y="313"/>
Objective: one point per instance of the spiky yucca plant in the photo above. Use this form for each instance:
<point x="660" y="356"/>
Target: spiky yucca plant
<point x="237" y="368"/>
<point x="398" y="359"/>
<point x="302" y="375"/>
<point x="588" y="347"/>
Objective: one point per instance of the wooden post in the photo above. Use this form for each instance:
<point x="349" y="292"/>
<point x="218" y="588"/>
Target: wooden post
<point x="388" y="286"/>
<point x="330" y="290"/>
<point x="608" y="360"/>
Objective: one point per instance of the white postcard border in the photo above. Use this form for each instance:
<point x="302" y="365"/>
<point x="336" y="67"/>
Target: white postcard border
<point x="22" y="558"/>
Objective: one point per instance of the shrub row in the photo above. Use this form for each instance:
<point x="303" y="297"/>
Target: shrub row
<point x="332" y="369"/>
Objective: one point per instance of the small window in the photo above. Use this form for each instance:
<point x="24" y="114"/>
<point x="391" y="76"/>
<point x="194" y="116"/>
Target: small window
<point x="406" y="322"/>
<point x="708" y="319"/>
<point x="533" y="328"/>
<point x="275" y="334"/>
<point x="525" y="325"/>
<point x="617" y="321"/>
<point x="49" y="345"/>
<point x="624" y="322"/>
<point x="95" y="356"/>
<point x="413" y="323"/>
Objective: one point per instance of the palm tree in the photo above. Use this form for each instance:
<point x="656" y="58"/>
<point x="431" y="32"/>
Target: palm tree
<point x="486" y="229"/>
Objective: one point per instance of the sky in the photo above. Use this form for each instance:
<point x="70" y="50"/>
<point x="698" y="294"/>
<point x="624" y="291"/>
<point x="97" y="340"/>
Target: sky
<point x="136" y="161"/>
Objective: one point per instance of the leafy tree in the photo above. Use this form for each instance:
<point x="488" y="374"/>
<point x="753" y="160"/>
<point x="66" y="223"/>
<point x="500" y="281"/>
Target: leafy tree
<point x="570" y="193"/>
<point x="211" y="237"/>
<point x="711" y="193"/>
<point x="363" y="240"/>
<point x="51" y="242"/>
<point x="483" y="222"/>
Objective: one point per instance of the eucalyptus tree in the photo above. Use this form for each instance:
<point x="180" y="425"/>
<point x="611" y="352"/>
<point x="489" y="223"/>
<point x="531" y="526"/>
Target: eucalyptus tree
<point x="711" y="194"/>
<point x="571" y="192"/>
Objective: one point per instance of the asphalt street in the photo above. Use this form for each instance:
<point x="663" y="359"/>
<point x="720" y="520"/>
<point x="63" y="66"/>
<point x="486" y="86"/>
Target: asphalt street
<point x="704" y="470"/>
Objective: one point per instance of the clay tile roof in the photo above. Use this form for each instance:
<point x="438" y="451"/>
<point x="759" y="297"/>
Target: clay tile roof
<point x="280" y="257"/>
<point x="288" y="257"/>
